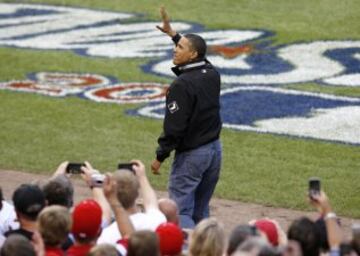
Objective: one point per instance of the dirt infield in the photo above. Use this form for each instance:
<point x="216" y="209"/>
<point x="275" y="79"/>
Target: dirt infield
<point x="229" y="212"/>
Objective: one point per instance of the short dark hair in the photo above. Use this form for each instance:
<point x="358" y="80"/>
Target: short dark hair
<point x="198" y="44"/>
<point x="59" y="191"/>
<point x="28" y="200"/>
<point x="239" y="234"/>
<point x="306" y="233"/>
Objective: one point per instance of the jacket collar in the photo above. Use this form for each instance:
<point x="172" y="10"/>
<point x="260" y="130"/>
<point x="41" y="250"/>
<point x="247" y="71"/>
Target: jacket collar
<point x="178" y="70"/>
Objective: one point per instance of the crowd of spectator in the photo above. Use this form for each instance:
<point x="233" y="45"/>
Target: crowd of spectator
<point x="125" y="217"/>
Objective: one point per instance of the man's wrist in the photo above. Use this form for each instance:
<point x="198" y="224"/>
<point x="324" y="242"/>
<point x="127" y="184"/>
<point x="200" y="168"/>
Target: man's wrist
<point x="330" y="215"/>
<point x="172" y="33"/>
<point x="160" y="159"/>
<point x="113" y="201"/>
<point x="326" y="210"/>
<point x="116" y="205"/>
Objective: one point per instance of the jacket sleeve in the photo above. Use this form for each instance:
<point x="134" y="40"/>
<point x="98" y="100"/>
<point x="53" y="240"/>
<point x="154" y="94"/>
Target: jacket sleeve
<point x="176" y="38"/>
<point x="178" y="107"/>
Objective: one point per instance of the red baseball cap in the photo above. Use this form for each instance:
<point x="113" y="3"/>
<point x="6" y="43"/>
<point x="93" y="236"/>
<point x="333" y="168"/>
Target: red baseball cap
<point x="270" y="230"/>
<point x="171" y="238"/>
<point x="86" y="219"/>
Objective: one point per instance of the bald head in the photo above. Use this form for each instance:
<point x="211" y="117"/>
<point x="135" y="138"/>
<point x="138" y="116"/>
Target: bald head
<point x="169" y="208"/>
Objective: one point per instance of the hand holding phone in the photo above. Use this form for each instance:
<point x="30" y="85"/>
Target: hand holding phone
<point x="126" y="166"/>
<point x="314" y="187"/>
<point x="74" y="168"/>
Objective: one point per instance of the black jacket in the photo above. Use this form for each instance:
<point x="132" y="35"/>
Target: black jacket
<point x="192" y="116"/>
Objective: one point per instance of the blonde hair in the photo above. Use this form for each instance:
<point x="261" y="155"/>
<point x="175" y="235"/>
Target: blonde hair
<point x="127" y="188"/>
<point x="143" y="243"/>
<point x="207" y="239"/>
<point x="103" y="250"/>
<point x="54" y="224"/>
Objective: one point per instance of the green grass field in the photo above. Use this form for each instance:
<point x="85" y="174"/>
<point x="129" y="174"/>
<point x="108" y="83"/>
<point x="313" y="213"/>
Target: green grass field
<point x="38" y="132"/>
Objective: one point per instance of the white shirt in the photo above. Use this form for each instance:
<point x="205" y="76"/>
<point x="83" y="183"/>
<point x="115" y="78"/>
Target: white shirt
<point x="148" y="220"/>
<point x="8" y="219"/>
<point x="2" y="240"/>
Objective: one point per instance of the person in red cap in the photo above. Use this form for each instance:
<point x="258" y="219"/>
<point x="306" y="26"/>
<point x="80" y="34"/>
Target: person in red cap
<point x="270" y="229"/>
<point x="171" y="239"/>
<point x="86" y="227"/>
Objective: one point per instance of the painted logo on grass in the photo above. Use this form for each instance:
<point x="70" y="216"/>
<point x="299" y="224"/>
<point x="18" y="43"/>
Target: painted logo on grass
<point x="128" y="93"/>
<point x="94" y="87"/>
<point x="244" y="57"/>
<point x="252" y="69"/>
<point x="249" y="108"/>
<point x="56" y="84"/>
<point x="280" y="111"/>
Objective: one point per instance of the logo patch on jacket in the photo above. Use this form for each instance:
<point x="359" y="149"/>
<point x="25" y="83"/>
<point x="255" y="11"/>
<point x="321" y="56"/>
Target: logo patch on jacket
<point x="173" y="107"/>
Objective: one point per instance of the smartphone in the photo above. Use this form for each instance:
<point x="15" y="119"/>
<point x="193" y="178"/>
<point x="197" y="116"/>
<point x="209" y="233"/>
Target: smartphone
<point x="314" y="186"/>
<point x="74" y="168"/>
<point x="126" y="166"/>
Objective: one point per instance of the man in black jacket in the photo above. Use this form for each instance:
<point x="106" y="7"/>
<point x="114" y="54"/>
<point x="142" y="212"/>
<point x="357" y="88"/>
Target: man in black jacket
<point x="192" y="127"/>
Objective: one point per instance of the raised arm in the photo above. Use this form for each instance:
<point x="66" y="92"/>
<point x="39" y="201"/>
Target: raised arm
<point x="334" y="232"/>
<point x="97" y="192"/>
<point x="166" y="27"/>
<point x="147" y="192"/>
<point x="121" y="216"/>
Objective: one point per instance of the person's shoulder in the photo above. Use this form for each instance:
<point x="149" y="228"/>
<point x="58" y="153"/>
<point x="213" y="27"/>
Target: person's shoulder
<point x="112" y="226"/>
<point x="110" y="234"/>
<point x="12" y="232"/>
<point x="155" y="214"/>
<point x="180" y="80"/>
<point x="8" y="218"/>
<point x="7" y="209"/>
<point x="149" y="219"/>
<point x="205" y="71"/>
<point x="210" y="69"/>
<point x="180" y="84"/>
<point x="23" y="232"/>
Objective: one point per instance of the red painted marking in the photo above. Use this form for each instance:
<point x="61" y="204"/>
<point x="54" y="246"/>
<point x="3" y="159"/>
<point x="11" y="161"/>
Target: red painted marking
<point x="87" y="80"/>
<point x="232" y="52"/>
<point x="31" y="86"/>
<point x="105" y="93"/>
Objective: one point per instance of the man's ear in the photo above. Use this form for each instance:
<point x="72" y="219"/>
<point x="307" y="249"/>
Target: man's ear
<point x="194" y="55"/>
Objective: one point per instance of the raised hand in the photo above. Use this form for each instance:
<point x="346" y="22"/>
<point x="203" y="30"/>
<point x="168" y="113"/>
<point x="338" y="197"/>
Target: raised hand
<point x="166" y="27"/>
<point x="110" y="190"/>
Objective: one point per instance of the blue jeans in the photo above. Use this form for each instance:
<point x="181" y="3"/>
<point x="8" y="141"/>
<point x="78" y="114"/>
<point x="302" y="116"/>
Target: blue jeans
<point x="192" y="181"/>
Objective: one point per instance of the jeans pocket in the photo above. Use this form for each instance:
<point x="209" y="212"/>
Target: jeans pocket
<point x="197" y="163"/>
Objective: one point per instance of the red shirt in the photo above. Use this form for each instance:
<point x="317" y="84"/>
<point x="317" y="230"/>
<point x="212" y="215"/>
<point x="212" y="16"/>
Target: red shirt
<point x="79" y="250"/>
<point x="54" y="251"/>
